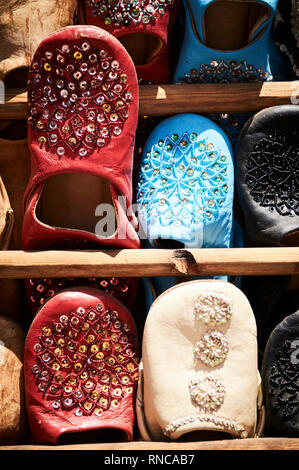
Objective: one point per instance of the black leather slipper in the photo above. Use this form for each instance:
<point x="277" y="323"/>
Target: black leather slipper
<point x="267" y="177"/>
<point x="280" y="379"/>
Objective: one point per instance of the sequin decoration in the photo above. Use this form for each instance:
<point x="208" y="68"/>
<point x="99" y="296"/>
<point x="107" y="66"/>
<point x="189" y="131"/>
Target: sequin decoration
<point x="213" y="308"/>
<point x="127" y="12"/>
<point x="212" y="349"/>
<point x="273" y="172"/>
<point x="79" y="99"/>
<point x="86" y="362"/>
<point x="183" y="182"/>
<point x="207" y="392"/>
<point x="284" y="379"/>
<point x="226" y="72"/>
<point x="42" y="289"/>
<point x="295" y="21"/>
<point x="224" y="423"/>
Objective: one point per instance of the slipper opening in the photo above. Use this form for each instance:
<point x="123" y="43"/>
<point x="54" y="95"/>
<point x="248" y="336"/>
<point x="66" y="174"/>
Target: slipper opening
<point x="223" y="32"/>
<point x="142" y="47"/>
<point x="93" y="436"/>
<point x="17" y="78"/>
<point x="70" y="201"/>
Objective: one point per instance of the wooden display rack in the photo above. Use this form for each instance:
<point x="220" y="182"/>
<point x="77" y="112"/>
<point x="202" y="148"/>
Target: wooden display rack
<point x="163" y="101"/>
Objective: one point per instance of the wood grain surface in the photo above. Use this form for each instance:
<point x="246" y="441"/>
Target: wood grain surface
<point x="159" y="100"/>
<point x="150" y="262"/>
<point x="234" y="444"/>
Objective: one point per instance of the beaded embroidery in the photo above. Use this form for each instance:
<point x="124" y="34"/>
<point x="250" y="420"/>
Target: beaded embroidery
<point x="207" y="392"/>
<point x="273" y="173"/>
<point x="86" y="362"/>
<point x="41" y="290"/>
<point x="295" y="21"/>
<point x="78" y="98"/>
<point x="213" y="308"/>
<point x="125" y="12"/>
<point x="212" y="349"/>
<point x="224" y="423"/>
<point x="284" y="380"/>
<point x="226" y="72"/>
<point x="191" y="171"/>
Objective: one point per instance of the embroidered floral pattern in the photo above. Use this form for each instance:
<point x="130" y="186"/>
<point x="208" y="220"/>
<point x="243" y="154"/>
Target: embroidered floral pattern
<point x="79" y="99"/>
<point x="86" y="362"/>
<point x="284" y="380"/>
<point x="183" y="182"/>
<point x="212" y="349"/>
<point x="126" y="12"/>
<point x="213" y="308"/>
<point x="273" y="173"/>
<point x="207" y="392"/>
<point x="226" y="72"/>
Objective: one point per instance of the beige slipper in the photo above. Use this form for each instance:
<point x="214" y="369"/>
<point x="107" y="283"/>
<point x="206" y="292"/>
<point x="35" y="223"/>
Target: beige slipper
<point x="23" y="25"/>
<point x="13" y="421"/>
<point x="199" y="376"/>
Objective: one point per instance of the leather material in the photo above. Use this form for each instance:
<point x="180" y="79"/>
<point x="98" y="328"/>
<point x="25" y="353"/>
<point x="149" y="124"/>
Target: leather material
<point x="13" y="422"/>
<point x="157" y="70"/>
<point x="24" y="24"/>
<point x="260" y="60"/>
<point x="81" y="367"/>
<point x="266" y="165"/>
<point x="185" y="188"/>
<point x="39" y="291"/>
<point x="280" y="378"/>
<point x="181" y="365"/>
<point x="186" y="184"/>
<point x="109" y="157"/>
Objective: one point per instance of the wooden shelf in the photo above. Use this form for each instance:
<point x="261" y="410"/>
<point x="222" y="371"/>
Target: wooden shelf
<point x="150" y="262"/>
<point x="159" y="100"/>
<point x="233" y="444"/>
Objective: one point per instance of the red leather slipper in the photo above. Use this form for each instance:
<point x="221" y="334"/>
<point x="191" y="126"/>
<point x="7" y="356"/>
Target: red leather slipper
<point x="83" y="99"/>
<point x="143" y="29"/>
<point x="81" y="369"/>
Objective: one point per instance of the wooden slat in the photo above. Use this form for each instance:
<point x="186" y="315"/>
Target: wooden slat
<point x="173" y="99"/>
<point x="151" y="262"/>
<point x="234" y="444"/>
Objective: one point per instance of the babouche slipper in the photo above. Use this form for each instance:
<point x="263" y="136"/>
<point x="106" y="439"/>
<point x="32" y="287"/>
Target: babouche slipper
<point x="83" y="99"/>
<point x="81" y="369"/>
<point x="142" y="27"/>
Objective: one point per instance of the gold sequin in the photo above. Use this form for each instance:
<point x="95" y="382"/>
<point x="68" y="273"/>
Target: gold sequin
<point x="106" y="345"/>
<point x="105" y="377"/>
<point x="103" y="401"/>
<point x="77" y="55"/>
<point x="100" y="355"/>
<point x="88" y="405"/>
<point x="82" y="348"/>
<point x="94" y="348"/>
